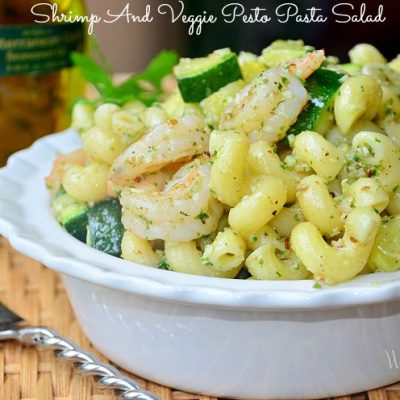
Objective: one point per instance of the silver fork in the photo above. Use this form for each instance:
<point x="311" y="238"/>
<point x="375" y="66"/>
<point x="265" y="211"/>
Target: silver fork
<point x="13" y="327"/>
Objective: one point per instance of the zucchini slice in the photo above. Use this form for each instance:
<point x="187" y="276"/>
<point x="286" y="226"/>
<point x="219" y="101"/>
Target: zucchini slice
<point x="75" y="222"/>
<point x="317" y="116"/>
<point x="105" y="228"/>
<point x="198" y="78"/>
<point x="214" y="105"/>
<point x="385" y="253"/>
<point x="72" y="215"/>
<point x="350" y="68"/>
<point x="250" y="66"/>
<point x="281" y="51"/>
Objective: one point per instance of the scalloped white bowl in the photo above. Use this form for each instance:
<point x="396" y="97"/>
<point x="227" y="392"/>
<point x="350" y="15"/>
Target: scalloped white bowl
<point x="228" y="338"/>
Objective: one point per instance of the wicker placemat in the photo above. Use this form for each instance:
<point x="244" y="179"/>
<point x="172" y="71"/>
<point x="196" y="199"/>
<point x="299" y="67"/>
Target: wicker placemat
<point x="37" y="294"/>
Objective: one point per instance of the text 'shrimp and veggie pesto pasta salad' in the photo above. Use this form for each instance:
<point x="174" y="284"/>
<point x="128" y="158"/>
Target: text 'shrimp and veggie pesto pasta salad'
<point x="281" y="166"/>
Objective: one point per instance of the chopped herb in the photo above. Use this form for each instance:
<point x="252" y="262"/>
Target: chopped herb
<point x="61" y="192"/>
<point x="389" y="111"/>
<point x="202" y="217"/>
<point x="374" y="170"/>
<point x="164" y="264"/>
<point x="205" y="260"/>
<point x="317" y="285"/>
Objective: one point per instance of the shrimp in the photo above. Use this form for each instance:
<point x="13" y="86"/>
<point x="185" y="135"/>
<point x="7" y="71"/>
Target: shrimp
<point x="267" y="107"/>
<point x="145" y="183"/>
<point x="148" y="182"/>
<point x="304" y="66"/>
<point x="185" y="210"/>
<point x="168" y="142"/>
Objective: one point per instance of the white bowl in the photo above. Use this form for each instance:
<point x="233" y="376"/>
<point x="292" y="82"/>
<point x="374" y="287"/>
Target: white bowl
<point x="222" y="337"/>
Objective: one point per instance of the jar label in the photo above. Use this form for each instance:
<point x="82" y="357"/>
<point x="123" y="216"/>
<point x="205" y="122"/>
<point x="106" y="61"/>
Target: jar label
<point x="38" y="49"/>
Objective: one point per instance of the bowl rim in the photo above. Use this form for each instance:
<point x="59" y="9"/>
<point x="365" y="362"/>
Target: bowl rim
<point x="70" y="257"/>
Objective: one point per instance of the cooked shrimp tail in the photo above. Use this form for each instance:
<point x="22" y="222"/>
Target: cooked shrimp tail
<point x="304" y="66"/>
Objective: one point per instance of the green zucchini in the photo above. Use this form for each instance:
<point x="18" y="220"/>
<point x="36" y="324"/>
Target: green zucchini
<point x="250" y="66"/>
<point x="317" y="116"/>
<point x="164" y="264"/>
<point x="385" y="254"/>
<point x="71" y="214"/>
<point x="214" y="105"/>
<point x="75" y="222"/>
<point x="243" y="274"/>
<point x="198" y="78"/>
<point x="350" y="68"/>
<point x="281" y="51"/>
<point x="105" y="228"/>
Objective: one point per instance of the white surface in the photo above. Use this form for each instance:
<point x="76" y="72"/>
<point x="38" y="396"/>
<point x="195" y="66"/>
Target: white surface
<point x="231" y="338"/>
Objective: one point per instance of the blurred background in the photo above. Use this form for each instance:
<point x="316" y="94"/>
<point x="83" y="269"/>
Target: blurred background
<point x="130" y="46"/>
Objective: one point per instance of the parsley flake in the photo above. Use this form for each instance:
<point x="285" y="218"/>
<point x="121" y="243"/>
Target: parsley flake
<point x="202" y="217"/>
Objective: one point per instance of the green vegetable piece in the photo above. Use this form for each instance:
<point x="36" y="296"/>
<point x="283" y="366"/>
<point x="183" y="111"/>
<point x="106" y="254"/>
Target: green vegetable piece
<point x="132" y="88"/>
<point x="272" y="58"/>
<point x="281" y="51"/>
<point x="214" y="105"/>
<point x="198" y="78"/>
<point x="71" y="214"/>
<point x="164" y="264"/>
<point x="77" y="226"/>
<point x="243" y="274"/>
<point x="61" y="192"/>
<point x="350" y="68"/>
<point x="385" y="254"/>
<point x="94" y="74"/>
<point x="105" y="228"/>
<point x="202" y="217"/>
<point x="158" y="68"/>
<point x="317" y="116"/>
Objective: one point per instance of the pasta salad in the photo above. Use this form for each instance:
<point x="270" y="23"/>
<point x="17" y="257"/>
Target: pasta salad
<point x="282" y="166"/>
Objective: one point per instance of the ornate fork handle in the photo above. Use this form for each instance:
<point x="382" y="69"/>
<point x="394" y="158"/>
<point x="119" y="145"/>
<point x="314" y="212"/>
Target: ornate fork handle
<point x="106" y="375"/>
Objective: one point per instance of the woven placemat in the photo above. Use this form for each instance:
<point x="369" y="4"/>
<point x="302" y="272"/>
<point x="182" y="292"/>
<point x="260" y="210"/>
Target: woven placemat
<point x="37" y="294"/>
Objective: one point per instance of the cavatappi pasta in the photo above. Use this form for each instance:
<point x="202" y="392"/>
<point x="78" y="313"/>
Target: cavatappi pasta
<point x="290" y="172"/>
